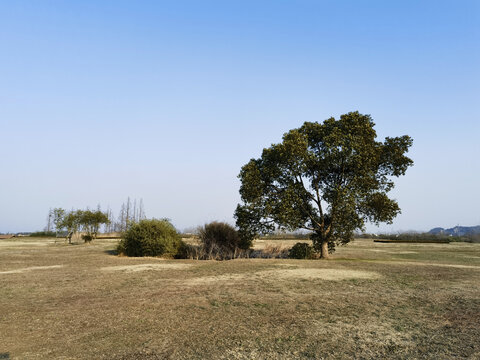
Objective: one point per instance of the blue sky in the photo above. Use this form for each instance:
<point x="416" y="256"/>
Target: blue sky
<point x="166" y="100"/>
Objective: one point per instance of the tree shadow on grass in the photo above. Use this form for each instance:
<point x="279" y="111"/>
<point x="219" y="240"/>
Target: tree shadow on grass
<point x="112" y="252"/>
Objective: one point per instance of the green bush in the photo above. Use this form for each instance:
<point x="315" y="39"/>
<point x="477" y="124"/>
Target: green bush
<point x="220" y="240"/>
<point x="151" y="238"/>
<point x="301" y="251"/>
<point x="121" y="248"/>
<point x="87" y="238"/>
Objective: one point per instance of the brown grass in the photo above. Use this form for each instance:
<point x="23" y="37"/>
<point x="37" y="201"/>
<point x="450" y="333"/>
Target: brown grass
<point x="145" y="267"/>
<point x="31" y="268"/>
<point x="323" y="274"/>
<point x="372" y="300"/>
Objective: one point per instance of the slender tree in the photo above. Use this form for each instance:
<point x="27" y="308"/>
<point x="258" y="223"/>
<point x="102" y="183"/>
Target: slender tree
<point x="141" y="211"/>
<point x="48" y="228"/>
<point x="58" y="215"/>
<point x="127" y="213"/>
<point x="135" y="218"/>
<point x="122" y="219"/>
<point x="109" y="226"/>
<point x="71" y="221"/>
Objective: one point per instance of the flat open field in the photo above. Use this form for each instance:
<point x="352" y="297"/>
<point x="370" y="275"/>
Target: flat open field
<point x="372" y="300"/>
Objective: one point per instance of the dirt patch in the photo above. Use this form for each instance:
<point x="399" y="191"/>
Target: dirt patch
<point x="24" y="243"/>
<point x="323" y="274"/>
<point x="32" y="268"/>
<point x="287" y="274"/>
<point x="145" y="267"/>
<point x="287" y="265"/>
<point x="210" y="280"/>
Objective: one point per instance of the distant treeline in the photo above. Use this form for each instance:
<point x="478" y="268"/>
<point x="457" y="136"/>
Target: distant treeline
<point x="43" y="234"/>
<point x="193" y="233"/>
<point x="413" y="237"/>
<point x="425" y="237"/>
<point x="131" y="211"/>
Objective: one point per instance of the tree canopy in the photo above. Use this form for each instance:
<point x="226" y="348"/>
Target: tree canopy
<point x="329" y="178"/>
<point x="86" y="220"/>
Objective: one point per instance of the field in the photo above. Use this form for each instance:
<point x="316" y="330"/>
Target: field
<point x="372" y="300"/>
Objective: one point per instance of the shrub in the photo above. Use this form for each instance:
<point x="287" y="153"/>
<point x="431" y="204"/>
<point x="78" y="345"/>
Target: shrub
<point x="87" y="238"/>
<point x="301" y="251"/>
<point x="220" y="240"/>
<point x="151" y="238"/>
<point x="189" y="251"/>
<point x="121" y="248"/>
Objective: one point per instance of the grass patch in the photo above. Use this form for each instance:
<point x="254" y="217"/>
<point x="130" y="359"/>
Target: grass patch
<point x="373" y="301"/>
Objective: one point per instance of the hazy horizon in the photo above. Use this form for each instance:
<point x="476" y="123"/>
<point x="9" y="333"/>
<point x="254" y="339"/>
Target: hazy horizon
<point x="166" y="101"/>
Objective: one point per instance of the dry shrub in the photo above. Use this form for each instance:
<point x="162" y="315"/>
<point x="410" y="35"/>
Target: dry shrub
<point x="198" y="252"/>
<point x="271" y="251"/>
<point x="190" y="251"/>
<point x="220" y="241"/>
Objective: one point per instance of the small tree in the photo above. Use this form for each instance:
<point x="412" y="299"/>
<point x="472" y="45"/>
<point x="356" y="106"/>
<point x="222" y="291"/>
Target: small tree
<point x="327" y="178"/>
<point x="86" y="220"/>
<point x="58" y="215"/>
<point x="91" y="222"/>
<point x="48" y="228"/>
<point x="71" y="221"/>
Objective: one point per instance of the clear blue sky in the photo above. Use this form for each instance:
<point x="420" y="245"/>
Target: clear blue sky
<point x="166" y="100"/>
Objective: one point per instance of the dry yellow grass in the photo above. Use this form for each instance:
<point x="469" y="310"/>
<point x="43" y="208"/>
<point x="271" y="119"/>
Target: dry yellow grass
<point x="145" y="267"/>
<point x="323" y="274"/>
<point x="31" y="268"/>
<point x="286" y="274"/>
<point x="373" y="300"/>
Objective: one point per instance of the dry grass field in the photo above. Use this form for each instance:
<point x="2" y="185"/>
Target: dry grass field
<point x="372" y="300"/>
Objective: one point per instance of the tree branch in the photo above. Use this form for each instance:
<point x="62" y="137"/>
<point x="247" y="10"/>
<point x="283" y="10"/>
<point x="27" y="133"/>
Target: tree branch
<point x="309" y="214"/>
<point x="319" y="204"/>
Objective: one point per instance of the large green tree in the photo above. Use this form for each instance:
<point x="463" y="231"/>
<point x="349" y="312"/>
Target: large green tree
<point x="328" y="178"/>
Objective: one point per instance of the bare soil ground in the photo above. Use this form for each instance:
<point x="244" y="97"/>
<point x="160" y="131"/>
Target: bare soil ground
<point x="372" y="300"/>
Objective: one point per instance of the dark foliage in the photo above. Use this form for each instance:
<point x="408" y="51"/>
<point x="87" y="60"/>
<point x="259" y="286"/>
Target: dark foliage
<point x="151" y="238"/>
<point x="221" y="240"/>
<point x="427" y="237"/>
<point x="43" y="234"/>
<point x="327" y="178"/>
<point x="301" y="251"/>
<point x="87" y="238"/>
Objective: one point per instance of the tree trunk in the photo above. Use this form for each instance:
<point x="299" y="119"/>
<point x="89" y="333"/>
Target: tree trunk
<point x="320" y="238"/>
<point x="324" y="250"/>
